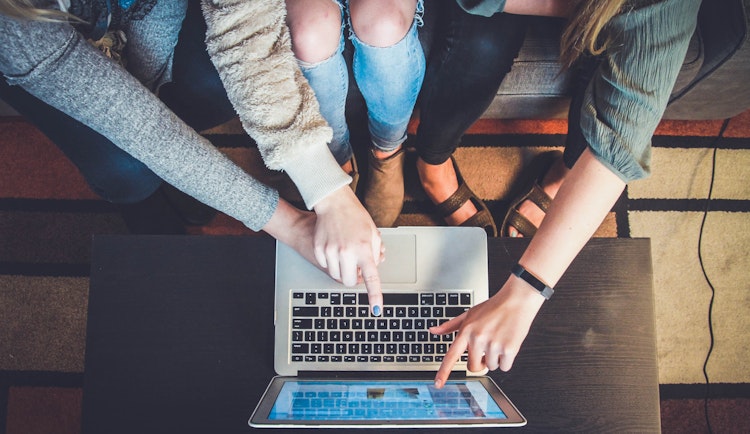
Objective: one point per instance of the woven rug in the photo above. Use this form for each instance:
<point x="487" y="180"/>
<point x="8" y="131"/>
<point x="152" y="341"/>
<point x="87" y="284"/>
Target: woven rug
<point x="48" y="216"/>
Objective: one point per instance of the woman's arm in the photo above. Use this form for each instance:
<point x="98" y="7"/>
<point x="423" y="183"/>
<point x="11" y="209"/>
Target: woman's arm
<point x="250" y="45"/>
<point x="625" y="102"/>
<point x="494" y="330"/>
<point x="54" y="63"/>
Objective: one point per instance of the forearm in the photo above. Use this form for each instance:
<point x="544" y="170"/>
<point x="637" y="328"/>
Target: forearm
<point x="587" y="195"/>
<point x="79" y="81"/>
<point x="250" y="46"/>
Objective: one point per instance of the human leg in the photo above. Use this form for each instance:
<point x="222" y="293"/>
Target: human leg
<point x="526" y="213"/>
<point x="317" y="42"/>
<point x="196" y="93"/>
<point x="169" y="53"/>
<point x="470" y="57"/>
<point x="151" y="42"/>
<point x="388" y="65"/>
<point x="110" y="172"/>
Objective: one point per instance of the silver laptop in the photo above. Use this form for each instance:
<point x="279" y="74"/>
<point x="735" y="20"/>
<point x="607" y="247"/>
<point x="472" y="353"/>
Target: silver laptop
<point x="338" y="366"/>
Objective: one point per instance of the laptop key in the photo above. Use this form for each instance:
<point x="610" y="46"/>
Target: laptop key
<point x="305" y="311"/>
<point x="454" y="311"/>
<point x="310" y="298"/>
<point x="466" y="299"/>
<point x="400" y="299"/>
<point x="298" y="323"/>
<point x="453" y="299"/>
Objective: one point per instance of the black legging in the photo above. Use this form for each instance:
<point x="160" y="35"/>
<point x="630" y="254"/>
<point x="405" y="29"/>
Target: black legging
<point x="468" y="60"/>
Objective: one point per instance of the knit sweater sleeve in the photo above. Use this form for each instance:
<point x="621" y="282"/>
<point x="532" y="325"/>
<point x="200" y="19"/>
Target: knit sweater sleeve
<point x="627" y="97"/>
<point x="53" y="62"/>
<point x="249" y="44"/>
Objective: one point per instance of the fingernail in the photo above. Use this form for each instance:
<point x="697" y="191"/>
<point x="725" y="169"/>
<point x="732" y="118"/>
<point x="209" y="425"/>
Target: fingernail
<point x="437" y="384"/>
<point x="376" y="310"/>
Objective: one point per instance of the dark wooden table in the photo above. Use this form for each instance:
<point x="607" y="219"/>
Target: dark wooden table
<point x="180" y="333"/>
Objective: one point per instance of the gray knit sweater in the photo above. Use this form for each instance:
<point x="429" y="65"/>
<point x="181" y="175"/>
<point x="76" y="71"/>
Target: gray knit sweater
<point x="251" y="48"/>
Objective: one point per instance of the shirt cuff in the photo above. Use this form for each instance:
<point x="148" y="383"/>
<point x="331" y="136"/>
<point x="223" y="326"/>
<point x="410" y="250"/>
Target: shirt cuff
<point x="316" y="174"/>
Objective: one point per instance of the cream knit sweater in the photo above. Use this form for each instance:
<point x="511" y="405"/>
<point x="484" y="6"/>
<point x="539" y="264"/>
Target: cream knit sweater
<point x="249" y="44"/>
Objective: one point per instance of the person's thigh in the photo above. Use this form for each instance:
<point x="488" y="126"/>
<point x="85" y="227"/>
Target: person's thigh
<point x="111" y="172"/>
<point x="152" y="40"/>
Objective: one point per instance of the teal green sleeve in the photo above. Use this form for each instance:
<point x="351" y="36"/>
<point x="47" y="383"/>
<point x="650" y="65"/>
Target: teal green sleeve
<point x="485" y="8"/>
<point x="627" y="97"/>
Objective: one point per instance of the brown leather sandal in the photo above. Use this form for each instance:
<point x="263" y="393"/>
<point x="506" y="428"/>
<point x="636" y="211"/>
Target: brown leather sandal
<point x="482" y="218"/>
<point x="529" y="188"/>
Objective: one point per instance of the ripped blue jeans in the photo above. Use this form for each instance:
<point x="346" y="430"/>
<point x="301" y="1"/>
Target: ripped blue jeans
<point x="389" y="79"/>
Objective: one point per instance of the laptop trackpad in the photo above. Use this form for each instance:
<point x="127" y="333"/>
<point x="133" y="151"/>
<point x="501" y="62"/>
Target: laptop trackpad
<point x="400" y="265"/>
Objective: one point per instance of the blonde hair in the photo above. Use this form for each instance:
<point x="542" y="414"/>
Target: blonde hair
<point x="582" y="34"/>
<point x="26" y="9"/>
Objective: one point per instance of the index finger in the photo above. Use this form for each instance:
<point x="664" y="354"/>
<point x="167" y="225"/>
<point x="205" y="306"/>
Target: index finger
<point x="451" y="357"/>
<point x="371" y="277"/>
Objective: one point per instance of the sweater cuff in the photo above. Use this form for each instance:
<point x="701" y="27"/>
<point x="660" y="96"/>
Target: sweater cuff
<point x="315" y="173"/>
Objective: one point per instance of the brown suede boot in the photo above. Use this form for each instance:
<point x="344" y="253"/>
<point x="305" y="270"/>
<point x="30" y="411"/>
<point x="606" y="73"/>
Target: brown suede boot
<point x="384" y="192"/>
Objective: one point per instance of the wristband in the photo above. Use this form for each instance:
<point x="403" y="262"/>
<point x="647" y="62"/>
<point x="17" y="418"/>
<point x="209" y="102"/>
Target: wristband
<point x="532" y="280"/>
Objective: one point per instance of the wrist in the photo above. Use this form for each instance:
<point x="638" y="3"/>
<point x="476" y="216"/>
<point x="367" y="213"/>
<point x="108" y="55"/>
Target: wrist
<point x="534" y="282"/>
<point x="334" y="200"/>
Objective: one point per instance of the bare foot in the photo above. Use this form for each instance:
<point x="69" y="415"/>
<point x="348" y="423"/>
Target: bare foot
<point x="550" y="184"/>
<point x="440" y="182"/>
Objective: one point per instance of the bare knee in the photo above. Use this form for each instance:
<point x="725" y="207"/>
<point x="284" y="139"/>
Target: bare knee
<point x="381" y="23"/>
<point x="315" y="28"/>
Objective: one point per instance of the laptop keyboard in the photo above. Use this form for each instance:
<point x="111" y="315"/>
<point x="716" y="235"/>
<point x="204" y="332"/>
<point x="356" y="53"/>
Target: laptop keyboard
<point x="337" y="327"/>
